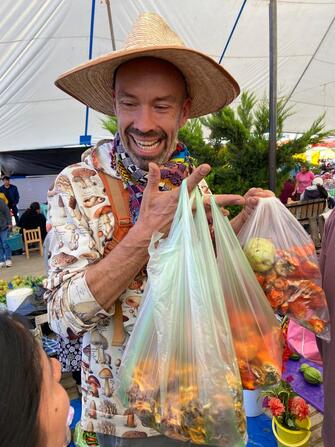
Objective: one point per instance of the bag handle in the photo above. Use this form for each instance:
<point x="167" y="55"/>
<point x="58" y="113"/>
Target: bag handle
<point x="119" y="200"/>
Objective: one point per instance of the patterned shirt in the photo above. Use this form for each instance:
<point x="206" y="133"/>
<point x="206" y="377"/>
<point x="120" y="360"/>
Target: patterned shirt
<point x="82" y="222"/>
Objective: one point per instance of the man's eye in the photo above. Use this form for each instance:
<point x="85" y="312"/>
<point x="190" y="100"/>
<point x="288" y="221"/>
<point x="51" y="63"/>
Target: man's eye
<point x="162" y="107"/>
<point x="128" y="104"/>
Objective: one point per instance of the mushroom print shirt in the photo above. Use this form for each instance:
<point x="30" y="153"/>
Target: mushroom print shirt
<point x="82" y="221"/>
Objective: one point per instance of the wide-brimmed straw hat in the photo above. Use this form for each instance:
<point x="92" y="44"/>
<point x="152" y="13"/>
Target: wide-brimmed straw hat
<point x="209" y="85"/>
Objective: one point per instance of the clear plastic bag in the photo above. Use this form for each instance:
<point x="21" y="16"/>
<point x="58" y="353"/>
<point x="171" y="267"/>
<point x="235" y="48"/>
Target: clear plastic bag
<point x="256" y="331"/>
<point x="179" y="373"/>
<point x="283" y="257"/>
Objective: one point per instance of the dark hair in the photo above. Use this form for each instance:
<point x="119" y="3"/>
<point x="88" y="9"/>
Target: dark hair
<point x="34" y="206"/>
<point x="5" y="177"/>
<point x="20" y="384"/>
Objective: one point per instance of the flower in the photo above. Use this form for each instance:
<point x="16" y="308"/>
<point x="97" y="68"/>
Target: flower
<point x="276" y="406"/>
<point x="285" y="405"/>
<point x="298" y="407"/>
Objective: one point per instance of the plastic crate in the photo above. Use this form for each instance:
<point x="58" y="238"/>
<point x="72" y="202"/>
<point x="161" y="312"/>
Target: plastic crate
<point x="15" y="242"/>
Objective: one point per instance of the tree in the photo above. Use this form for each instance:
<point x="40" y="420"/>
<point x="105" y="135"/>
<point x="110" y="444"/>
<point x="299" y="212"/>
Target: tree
<point x="238" y="144"/>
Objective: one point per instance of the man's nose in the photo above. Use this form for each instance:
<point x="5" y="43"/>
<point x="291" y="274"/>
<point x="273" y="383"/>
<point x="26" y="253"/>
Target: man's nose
<point x="144" y="120"/>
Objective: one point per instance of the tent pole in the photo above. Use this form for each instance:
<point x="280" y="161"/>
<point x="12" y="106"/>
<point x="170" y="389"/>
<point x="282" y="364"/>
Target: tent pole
<point x="273" y="94"/>
<point x="109" y="13"/>
<point x="86" y="139"/>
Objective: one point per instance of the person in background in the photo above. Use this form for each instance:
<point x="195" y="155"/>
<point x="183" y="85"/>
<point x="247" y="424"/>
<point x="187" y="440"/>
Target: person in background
<point x="5" y="226"/>
<point x="33" y="218"/>
<point x="287" y="191"/>
<point x="303" y="179"/>
<point x="12" y="194"/>
<point x="34" y="406"/>
<point x="315" y="191"/>
<point x="327" y="350"/>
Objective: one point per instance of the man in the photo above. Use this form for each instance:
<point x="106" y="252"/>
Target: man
<point x="12" y="194"/>
<point x="5" y="225"/>
<point x="152" y="86"/>
<point x="327" y="350"/>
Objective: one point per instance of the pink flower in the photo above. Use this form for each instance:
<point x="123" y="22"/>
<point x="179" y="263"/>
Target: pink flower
<point x="276" y="406"/>
<point x="298" y="407"/>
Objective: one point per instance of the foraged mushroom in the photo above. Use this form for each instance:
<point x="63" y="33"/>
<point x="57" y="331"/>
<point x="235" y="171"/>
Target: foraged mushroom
<point x="102" y="211"/>
<point x="63" y="259"/>
<point x="101" y="343"/>
<point x="90" y="427"/>
<point x="106" y="375"/>
<point x="94" y="385"/>
<point x="83" y="176"/>
<point x="92" y="412"/>
<point x="130" y="418"/>
<point x="93" y="201"/>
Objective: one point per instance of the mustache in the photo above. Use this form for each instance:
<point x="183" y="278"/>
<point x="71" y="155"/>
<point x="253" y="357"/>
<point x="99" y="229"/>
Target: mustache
<point x="150" y="134"/>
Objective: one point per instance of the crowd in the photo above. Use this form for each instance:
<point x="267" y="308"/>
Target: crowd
<point x="103" y="212"/>
<point x="30" y="219"/>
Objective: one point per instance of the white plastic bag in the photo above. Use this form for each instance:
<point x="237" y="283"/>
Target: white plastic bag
<point x="179" y="373"/>
<point x="283" y="257"/>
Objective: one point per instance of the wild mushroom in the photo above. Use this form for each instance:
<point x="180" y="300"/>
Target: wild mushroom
<point x="62" y="183"/>
<point x="102" y="211"/>
<point x="63" y="259"/>
<point x="106" y="375"/>
<point x="106" y="219"/>
<point x="87" y="350"/>
<point x="108" y="409"/>
<point x="83" y="176"/>
<point x="130" y="418"/>
<point x="93" y="201"/>
<point x="90" y="427"/>
<point x="117" y="362"/>
<point x="94" y="385"/>
<point x="60" y="202"/>
<point x="92" y="412"/>
<point x="73" y="206"/>
<point x="101" y="344"/>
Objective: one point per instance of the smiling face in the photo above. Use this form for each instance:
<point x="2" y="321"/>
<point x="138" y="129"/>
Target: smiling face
<point x="54" y="404"/>
<point x="151" y="106"/>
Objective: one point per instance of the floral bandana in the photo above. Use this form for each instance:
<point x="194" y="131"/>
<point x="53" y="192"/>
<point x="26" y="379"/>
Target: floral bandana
<point x="173" y="173"/>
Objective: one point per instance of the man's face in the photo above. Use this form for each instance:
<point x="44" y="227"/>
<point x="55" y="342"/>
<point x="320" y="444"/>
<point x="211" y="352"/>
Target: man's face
<point x="6" y="182"/>
<point x="151" y="106"/>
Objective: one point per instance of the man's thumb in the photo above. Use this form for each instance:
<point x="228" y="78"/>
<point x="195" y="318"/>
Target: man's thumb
<point x="154" y="176"/>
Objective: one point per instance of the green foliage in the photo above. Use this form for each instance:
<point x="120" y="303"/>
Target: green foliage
<point x="110" y="124"/>
<point x="238" y="144"/>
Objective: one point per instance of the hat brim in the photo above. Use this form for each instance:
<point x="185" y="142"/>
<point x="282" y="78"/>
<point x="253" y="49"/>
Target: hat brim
<point x="209" y="85"/>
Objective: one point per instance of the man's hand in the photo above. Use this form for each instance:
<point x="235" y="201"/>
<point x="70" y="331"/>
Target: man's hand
<point x="251" y="198"/>
<point x="10" y="227"/>
<point x="158" y="207"/>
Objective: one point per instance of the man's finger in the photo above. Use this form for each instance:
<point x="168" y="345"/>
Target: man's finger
<point x="225" y="199"/>
<point x="154" y="177"/>
<point x="197" y="175"/>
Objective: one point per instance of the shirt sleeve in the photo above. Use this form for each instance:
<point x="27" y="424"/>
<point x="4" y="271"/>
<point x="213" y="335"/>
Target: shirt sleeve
<point x="73" y="247"/>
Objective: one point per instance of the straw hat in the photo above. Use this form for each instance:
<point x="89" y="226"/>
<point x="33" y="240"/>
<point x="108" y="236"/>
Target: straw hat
<point x="209" y="85"/>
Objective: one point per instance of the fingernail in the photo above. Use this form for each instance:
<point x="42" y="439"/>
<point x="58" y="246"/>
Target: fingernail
<point x="204" y="170"/>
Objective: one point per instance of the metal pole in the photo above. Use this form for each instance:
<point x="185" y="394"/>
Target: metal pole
<point x="273" y="94"/>
<point x="109" y="13"/>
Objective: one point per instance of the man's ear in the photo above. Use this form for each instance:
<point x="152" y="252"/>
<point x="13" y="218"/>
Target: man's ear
<point x="185" y="112"/>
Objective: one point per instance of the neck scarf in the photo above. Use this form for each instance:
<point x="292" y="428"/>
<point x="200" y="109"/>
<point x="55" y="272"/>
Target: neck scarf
<point x="173" y="173"/>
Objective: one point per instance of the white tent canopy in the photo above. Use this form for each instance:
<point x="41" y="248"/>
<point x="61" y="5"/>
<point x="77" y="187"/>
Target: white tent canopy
<point x="39" y="39"/>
